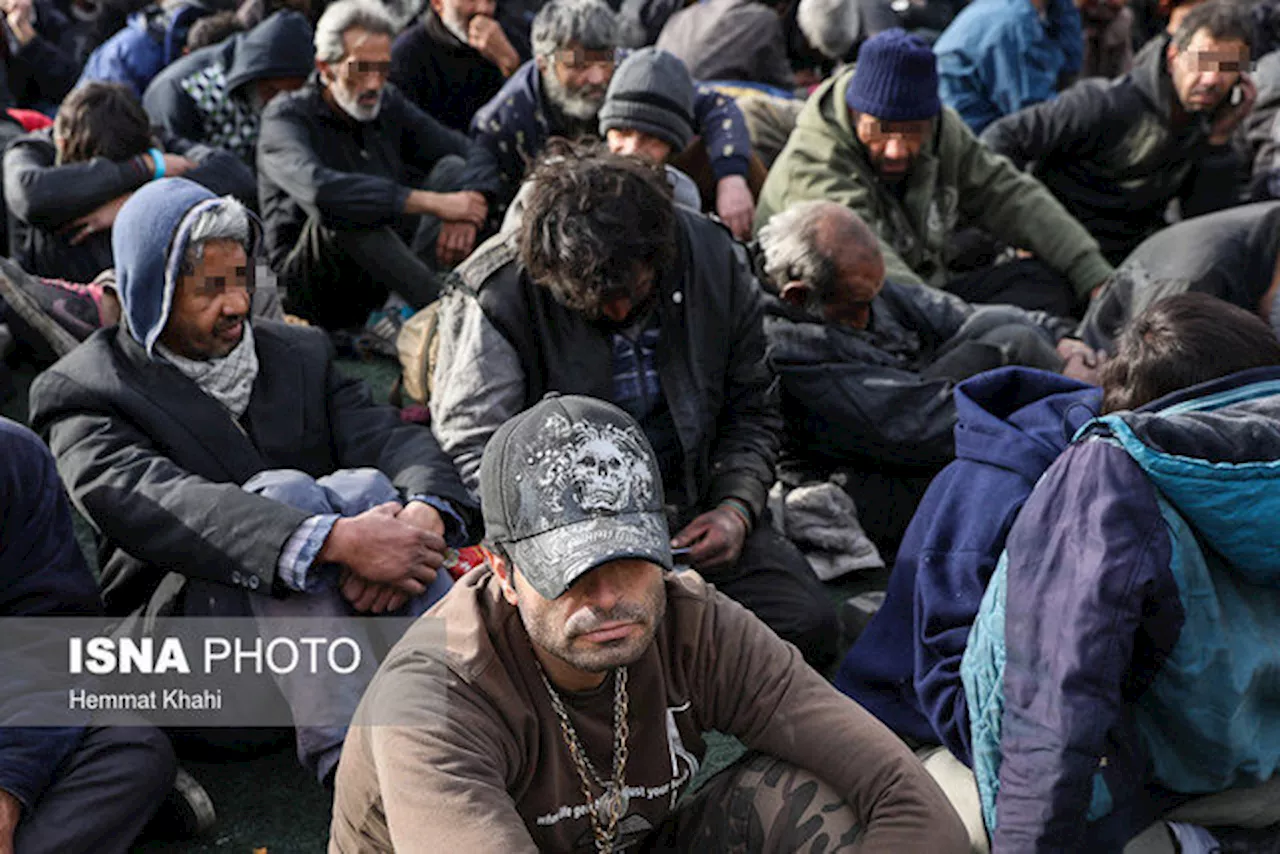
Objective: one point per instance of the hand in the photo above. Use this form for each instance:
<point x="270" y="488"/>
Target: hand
<point x="467" y="206"/>
<point x="10" y="814"/>
<point x="422" y="516"/>
<point x="369" y="598"/>
<point x="1230" y="117"/>
<point x="716" y="538"/>
<point x="1081" y="362"/>
<point x="175" y="165"/>
<point x="734" y="205"/>
<point x="385" y="550"/>
<point x="486" y="36"/>
<point x="456" y="241"/>
<point x="17" y="14"/>
<point x="101" y="218"/>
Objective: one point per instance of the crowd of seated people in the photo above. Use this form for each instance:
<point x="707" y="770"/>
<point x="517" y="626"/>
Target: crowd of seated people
<point x="893" y="387"/>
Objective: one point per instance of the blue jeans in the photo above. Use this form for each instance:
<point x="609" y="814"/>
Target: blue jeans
<point x="348" y="492"/>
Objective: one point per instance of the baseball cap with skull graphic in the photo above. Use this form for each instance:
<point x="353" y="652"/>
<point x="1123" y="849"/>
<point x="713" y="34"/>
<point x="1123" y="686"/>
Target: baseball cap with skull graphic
<point x="568" y="485"/>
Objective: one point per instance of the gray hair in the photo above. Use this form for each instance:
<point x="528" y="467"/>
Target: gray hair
<point x="369" y="15"/>
<point x="227" y="221"/>
<point x="790" y="242"/>
<point x="590" y="23"/>
<point x="830" y="26"/>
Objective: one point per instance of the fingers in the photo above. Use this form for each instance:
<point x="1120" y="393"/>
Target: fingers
<point x="691" y="533"/>
<point x="390" y="508"/>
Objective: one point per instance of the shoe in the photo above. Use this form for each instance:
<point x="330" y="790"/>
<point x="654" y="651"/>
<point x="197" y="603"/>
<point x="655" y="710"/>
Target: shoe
<point x="187" y="811"/>
<point x="61" y="314"/>
<point x="381" y="330"/>
<point x="855" y="614"/>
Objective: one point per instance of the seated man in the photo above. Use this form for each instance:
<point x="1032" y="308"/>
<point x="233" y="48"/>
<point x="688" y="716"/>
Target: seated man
<point x="578" y="613"/>
<point x="216" y="95"/>
<point x="151" y="39"/>
<point x="877" y="141"/>
<point x="610" y="289"/>
<point x="64" y="185"/>
<point x="999" y="56"/>
<point x="1233" y="255"/>
<point x="869" y="367"/>
<point x="455" y="59"/>
<point x="69" y="789"/>
<point x="190" y="438"/>
<point x="647" y="113"/>
<point x="38" y="66"/>
<point x="560" y="92"/>
<point x="1120" y="662"/>
<point x="339" y="163"/>
<point x="1117" y="153"/>
<point x="731" y="40"/>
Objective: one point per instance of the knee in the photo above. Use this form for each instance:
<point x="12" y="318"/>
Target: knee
<point x="289" y="486"/>
<point x="353" y="491"/>
<point x="144" y="755"/>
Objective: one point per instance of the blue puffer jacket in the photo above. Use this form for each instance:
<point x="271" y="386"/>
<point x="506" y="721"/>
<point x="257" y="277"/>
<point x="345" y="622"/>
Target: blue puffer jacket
<point x="152" y="38"/>
<point x="1121" y="659"/>
<point x="999" y="56"/>
<point x="905" y="668"/>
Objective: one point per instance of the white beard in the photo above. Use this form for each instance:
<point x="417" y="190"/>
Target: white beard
<point x="456" y="27"/>
<point x="352" y="107"/>
<point x="573" y="106"/>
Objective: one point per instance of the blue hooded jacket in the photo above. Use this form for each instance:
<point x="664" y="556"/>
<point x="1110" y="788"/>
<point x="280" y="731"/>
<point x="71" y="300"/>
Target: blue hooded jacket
<point x="149" y="241"/>
<point x="905" y="668"/>
<point x="150" y="40"/>
<point x="1123" y="656"/>
<point x="999" y="56"/>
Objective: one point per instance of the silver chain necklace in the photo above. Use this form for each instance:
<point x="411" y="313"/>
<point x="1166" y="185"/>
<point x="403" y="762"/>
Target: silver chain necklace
<point x="613" y="801"/>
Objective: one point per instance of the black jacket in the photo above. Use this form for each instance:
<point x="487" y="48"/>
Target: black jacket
<point x="314" y="162"/>
<point x="852" y="396"/>
<point x="156" y="464"/>
<point x="448" y="80"/>
<point x="42" y="574"/>
<point x="1108" y="150"/>
<point x="503" y="347"/>
<point x="281" y="46"/>
<point x="43" y="70"/>
<point x="43" y="199"/>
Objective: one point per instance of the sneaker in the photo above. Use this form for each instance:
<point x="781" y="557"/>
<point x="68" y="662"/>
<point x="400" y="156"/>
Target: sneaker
<point x="381" y="330"/>
<point x="61" y="313"/>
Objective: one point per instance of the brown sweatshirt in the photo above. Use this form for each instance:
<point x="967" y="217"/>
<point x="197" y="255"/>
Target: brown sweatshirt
<point x="457" y="749"/>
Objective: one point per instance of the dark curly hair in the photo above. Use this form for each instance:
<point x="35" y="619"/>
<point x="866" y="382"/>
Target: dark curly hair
<point x="594" y="221"/>
<point x="1181" y="341"/>
<point x="101" y="120"/>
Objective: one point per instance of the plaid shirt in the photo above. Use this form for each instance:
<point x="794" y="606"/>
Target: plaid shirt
<point x="636" y="386"/>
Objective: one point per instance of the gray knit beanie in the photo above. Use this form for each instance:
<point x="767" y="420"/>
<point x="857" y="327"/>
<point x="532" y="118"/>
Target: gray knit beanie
<point x="651" y="91"/>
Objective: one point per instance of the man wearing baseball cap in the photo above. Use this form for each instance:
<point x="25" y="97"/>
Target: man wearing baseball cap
<point x="566" y="708"/>
<point x="877" y="140"/>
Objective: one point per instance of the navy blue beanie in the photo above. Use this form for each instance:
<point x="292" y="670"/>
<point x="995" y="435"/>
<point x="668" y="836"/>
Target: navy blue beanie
<point x="896" y="79"/>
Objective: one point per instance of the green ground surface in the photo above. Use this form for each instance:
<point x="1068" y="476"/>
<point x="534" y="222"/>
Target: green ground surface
<point x="269" y="802"/>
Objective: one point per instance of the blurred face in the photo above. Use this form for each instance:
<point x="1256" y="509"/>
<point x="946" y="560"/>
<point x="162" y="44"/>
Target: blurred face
<point x="622" y="308"/>
<point x="272" y="86"/>
<point x="892" y="146"/>
<point x="860" y="278"/>
<point x="576" y="79"/>
<point x="355" y="82"/>
<point x="456" y="15"/>
<point x="637" y="143"/>
<point x="1204" y="72"/>
<point x="606" y="619"/>
<point x="210" y="304"/>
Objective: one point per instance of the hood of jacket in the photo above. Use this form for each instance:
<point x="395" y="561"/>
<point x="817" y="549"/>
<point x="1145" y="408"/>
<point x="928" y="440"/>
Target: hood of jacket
<point x="1213" y="452"/>
<point x="280" y="46"/>
<point x="1021" y="419"/>
<point x="149" y="240"/>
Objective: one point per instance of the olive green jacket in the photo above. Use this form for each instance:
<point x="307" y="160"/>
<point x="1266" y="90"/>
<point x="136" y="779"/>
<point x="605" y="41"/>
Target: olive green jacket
<point x="954" y="181"/>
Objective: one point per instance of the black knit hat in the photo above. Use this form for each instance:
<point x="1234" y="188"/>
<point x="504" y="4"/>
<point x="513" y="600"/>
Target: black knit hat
<point x="651" y="92"/>
<point x="896" y="79"/>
